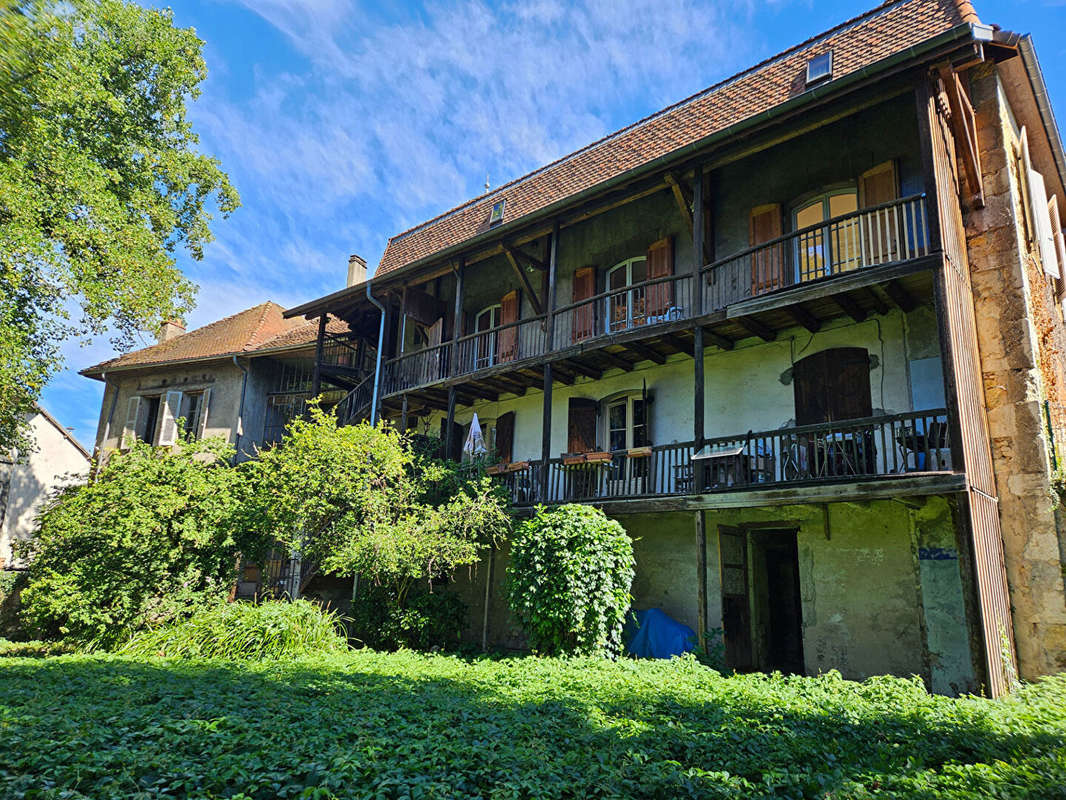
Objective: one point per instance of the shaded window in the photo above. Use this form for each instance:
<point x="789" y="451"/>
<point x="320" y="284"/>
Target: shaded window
<point x="581" y="425"/>
<point x="626" y="308"/>
<point x="831" y="249"/>
<point x="485" y="323"/>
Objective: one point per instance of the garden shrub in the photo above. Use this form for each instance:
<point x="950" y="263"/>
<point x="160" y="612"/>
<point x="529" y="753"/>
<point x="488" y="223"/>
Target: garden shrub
<point x="569" y="580"/>
<point x="155" y="535"/>
<point x="426" y="621"/>
<point x="236" y="631"/>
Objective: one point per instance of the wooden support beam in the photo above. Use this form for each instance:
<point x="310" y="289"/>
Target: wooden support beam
<point x="880" y="306"/>
<point x="718" y="339"/>
<point x="849" y="306"/>
<point x="546" y="419"/>
<point x="805" y="318"/>
<point x="563" y="375"/>
<point x="964" y="131"/>
<point x="756" y="328"/>
<point x="646" y="352"/>
<point x="900" y="296"/>
<point x="616" y="360"/>
<point x="679" y="344"/>
<point x="450" y="422"/>
<point x="534" y="262"/>
<point x="583" y="369"/>
<point x="538" y="307"/>
<point x="506" y="384"/>
<point x="682" y="201"/>
<point x="701" y="582"/>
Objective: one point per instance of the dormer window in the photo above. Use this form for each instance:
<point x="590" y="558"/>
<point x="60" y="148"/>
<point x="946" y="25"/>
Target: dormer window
<point x="820" y="68"/>
<point x="496" y="217"/>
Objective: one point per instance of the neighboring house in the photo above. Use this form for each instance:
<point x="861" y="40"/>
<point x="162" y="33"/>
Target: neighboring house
<point x="243" y="377"/>
<point x="29" y="479"/>
<point x="800" y="333"/>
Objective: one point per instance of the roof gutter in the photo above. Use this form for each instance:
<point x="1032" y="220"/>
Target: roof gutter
<point x="377" y="360"/>
<point x="959" y="32"/>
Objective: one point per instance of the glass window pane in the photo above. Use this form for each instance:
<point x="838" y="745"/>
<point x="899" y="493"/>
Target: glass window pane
<point x="616" y="279"/>
<point x="810" y="214"/>
<point x="616" y="415"/>
<point x="843" y="204"/>
<point x="639" y="270"/>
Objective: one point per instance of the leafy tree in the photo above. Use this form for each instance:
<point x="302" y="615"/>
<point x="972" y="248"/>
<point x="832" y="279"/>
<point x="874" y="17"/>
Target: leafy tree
<point x="570" y="575"/>
<point x="357" y="500"/>
<point x="101" y="182"/>
<point x="157" y="533"/>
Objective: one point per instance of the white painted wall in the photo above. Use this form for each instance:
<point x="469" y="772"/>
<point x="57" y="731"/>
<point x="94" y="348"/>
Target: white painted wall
<point x="32" y="479"/>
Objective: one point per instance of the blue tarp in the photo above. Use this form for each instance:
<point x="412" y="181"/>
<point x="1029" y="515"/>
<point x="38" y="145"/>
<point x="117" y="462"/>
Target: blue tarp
<point x="657" y="635"/>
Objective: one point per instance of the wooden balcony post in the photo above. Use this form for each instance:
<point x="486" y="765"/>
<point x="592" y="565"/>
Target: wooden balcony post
<point x="316" y="377"/>
<point x="701" y="582"/>
<point x="457" y="319"/>
<point x="698" y="421"/>
<point x="449" y="424"/>
<point x="546" y="422"/>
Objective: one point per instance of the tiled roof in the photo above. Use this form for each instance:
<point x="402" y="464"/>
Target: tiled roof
<point x="858" y="43"/>
<point x="261" y="327"/>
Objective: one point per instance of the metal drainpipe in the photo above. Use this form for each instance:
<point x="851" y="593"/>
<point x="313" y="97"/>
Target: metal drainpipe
<point x="377" y="360"/>
<point x="240" y="411"/>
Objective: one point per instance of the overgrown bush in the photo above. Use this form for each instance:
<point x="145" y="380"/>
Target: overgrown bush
<point x="569" y="580"/>
<point x="237" y="631"/>
<point x="158" y="533"/>
<point x="360" y="500"/>
<point x="424" y="621"/>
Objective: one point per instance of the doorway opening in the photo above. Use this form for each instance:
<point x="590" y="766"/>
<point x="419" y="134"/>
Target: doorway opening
<point x="761" y="608"/>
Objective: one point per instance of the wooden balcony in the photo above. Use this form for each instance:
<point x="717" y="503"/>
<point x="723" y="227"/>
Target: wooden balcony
<point x="835" y="252"/>
<point x="875" y="448"/>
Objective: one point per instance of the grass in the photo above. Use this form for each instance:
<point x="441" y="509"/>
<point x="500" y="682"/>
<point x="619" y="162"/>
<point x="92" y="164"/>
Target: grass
<point x="367" y="724"/>
<point x="261" y="631"/>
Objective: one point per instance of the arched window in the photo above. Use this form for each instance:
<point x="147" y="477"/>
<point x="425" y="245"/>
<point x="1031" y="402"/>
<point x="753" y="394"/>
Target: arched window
<point x="831" y="249"/>
<point x="485" y="324"/>
<point x="626" y="308"/>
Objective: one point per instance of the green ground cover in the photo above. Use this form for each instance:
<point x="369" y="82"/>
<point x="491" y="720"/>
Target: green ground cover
<point x="368" y="724"/>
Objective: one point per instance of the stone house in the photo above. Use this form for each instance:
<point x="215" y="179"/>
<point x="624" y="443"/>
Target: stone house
<point x="800" y="333"/>
<point x="27" y="480"/>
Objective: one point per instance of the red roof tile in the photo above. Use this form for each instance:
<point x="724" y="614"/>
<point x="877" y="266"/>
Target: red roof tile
<point x="856" y="44"/>
<point x="261" y="327"/>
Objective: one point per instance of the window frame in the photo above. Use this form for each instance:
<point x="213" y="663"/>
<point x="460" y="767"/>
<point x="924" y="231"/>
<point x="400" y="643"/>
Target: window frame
<point x="625" y="290"/>
<point x="825" y="196"/>
<point x="488" y="336"/>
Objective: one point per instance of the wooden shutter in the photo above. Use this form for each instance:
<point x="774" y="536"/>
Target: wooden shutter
<point x="505" y="438"/>
<point x="584" y="316"/>
<point x="508" y="337"/>
<point x="1045" y="235"/>
<point x="129" y="430"/>
<point x="880" y="243"/>
<point x="168" y="428"/>
<point x="581" y="425"/>
<point x="767" y="265"/>
<point x="660" y="265"/>
<point x="832" y="385"/>
<point x="201" y="423"/>
<point x="1060" y="246"/>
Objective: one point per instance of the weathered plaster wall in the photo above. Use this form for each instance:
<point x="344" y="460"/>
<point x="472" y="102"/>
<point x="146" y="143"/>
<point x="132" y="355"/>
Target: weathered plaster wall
<point x="1007" y="302"/>
<point x="26" y="484"/>
<point x="224" y="380"/>
<point x="883" y="592"/>
<point x="870" y="605"/>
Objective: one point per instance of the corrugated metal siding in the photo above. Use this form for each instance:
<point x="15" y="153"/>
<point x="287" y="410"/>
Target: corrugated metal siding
<point x="981" y="506"/>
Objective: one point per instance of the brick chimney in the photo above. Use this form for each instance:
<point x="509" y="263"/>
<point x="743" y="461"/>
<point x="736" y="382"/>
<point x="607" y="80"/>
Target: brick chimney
<point x="356" y="270"/>
<point x="169" y="329"/>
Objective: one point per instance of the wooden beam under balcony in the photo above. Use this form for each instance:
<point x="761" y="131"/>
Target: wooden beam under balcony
<point x="805" y="318"/>
<point x="849" y="306"/>
<point x="581" y="368"/>
<point x="717" y="339"/>
<point x="646" y="352"/>
<point x="562" y="374"/>
<point x="900" y="296"/>
<point x="507" y="384"/>
<point x="756" y="328"/>
<point x="685" y="346"/>
<point x="880" y="306"/>
<point x="616" y="360"/>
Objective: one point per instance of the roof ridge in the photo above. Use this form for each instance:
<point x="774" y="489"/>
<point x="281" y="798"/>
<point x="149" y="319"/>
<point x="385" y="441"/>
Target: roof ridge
<point x="881" y="8"/>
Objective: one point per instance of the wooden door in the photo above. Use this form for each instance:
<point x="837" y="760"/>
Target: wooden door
<point x="767" y="265"/>
<point x="581" y="425"/>
<point x="584" y="316"/>
<point x="736" y="603"/>
<point x="508" y="344"/>
<point x="660" y="265"/>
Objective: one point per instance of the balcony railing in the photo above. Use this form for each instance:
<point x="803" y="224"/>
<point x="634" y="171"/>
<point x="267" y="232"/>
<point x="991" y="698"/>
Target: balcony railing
<point x="885" y="234"/>
<point x="341" y="351"/>
<point x="356" y="403"/>
<point x="638" y="305"/>
<point x="862" y="449"/>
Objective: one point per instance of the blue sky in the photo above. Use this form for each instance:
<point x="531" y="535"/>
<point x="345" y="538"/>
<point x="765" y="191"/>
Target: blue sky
<point x="342" y="123"/>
